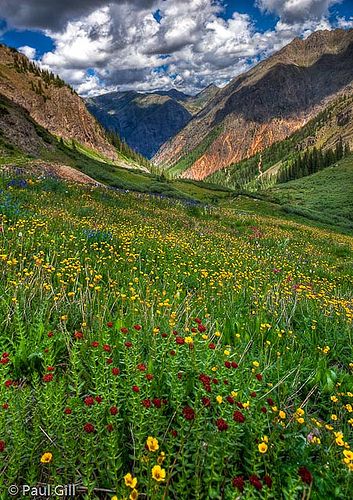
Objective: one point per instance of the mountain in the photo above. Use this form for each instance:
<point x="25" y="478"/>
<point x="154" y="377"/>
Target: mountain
<point x="50" y="102"/>
<point x="144" y="121"/>
<point x="321" y="136"/>
<point x="265" y="105"/>
<point x="147" y="120"/>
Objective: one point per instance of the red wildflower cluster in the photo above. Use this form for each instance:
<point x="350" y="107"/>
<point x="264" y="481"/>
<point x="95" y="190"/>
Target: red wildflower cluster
<point x="305" y="475"/>
<point x="89" y="428"/>
<point x="2" y="446"/>
<point x="206" y="382"/>
<point x="48" y="377"/>
<point x="238" y="417"/>
<point x="256" y="482"/>
<point x="221" y="424"/>
<point x="113" y="410"/>
<point x="115" y="371"/>
<point x="188" y="413"/>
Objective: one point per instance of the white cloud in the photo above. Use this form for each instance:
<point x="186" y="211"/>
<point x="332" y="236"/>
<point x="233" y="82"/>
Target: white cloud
<point x="30" y="52"/>
<point x="190" y="47"/>
<point x="297" y="11"/>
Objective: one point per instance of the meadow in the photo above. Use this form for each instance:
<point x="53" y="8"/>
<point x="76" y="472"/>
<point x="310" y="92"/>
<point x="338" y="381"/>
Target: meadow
<point x="155" y="348"/>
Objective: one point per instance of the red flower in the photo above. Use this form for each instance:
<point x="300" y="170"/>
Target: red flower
<point x="268" y="481"/>
<point x="48" y="377"/>
<point x="206" y="402"/>
<point x="258" y="376"/>
<point x="135" y="388"/>
<point x="198" y="321"/>
<point x="141" y="367"/>
<point x="179" y="340"/>
<point x="172" y="352"/>
<point x="89" y="401"/>
<point x="146" y="403"/>
<point x="227" y="364"/>
<point x="174" y="433"/>
<point x="157" y="402"/>
<point x="212" y="345"/>
<point x="240" y="405"/>
<point x="5" y="354"/>
<point x="253" y="394"/>
<point x="238" y="417"/>
<point x="107" y="348"/>
<point x="230" y="400"/>
<point x="221" y="424"/>
<point x="180" y="375"/>
<point x="50" y="368"/>
<point x="50" y="334"/>
<point x="164" y="335"/>
<point x="305" y="475"/>
<point x="113" y="410"/>
<point x="270" y="402"/>
<point x="264" y="409"/>
<point x="137" y="327"/>
<point x="234" y="364"/>
<point x="78" y="335"/>
<point x="124" y="330"/>
<point x="110" y="324"/>
<point x="8" y="383"/>
<point x="193" y="329"/>
<point x="255" y="481"/>
<point x="109" y="361"/>
<point x="201" y="328"/>
<point x="5" y="406"/>
<point x="4" y="361"/>
<point x="149" y="376"/>
<point x="2" y="446"/>
<point x="67" y="411"/>
<point x="215" y="381"/>
<point x="239" y="483"/>
<point x="95" y="344"/>
<point x="88" y="428"/>
<point x="109" y="428"/>
<point x="115" y="371"/>
<point x="128" y="344"/>
<point x="98" y="399"/>
<point x="188" y="413"/>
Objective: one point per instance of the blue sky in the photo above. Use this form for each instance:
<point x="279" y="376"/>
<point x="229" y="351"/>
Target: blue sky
<point x="100" y="45"/>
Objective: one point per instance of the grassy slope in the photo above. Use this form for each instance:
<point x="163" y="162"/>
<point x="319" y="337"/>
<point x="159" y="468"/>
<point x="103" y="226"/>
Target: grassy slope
<point x="325" y="196"/>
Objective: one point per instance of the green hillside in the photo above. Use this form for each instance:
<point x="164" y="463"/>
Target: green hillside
<point x="326" y="196"/>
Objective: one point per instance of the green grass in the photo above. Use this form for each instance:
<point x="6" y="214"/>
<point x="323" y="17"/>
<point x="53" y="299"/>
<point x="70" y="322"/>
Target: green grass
<point x="326" y="196"/>
<point x="223" y="333"/>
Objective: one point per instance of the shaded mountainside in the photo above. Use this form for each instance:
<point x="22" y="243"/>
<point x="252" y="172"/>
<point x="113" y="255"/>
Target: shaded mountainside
<point x="50" y="102"/>
<point x="147" y="120"/>
<point x="266" y="104"/>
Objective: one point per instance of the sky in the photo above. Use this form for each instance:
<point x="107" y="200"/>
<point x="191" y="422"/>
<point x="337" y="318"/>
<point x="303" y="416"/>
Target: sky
<point x="105" y="45"/>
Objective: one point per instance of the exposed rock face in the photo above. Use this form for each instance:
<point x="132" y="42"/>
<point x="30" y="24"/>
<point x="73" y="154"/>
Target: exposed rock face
<point x="146" y="121"/>
<point x="267" y="103"/>
<point x="55" y="107"/>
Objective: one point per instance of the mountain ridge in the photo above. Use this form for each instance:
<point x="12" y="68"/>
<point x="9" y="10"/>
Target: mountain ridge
<point x="264" y="105"/>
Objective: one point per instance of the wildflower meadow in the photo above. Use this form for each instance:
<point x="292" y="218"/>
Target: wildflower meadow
<point x="153" y="349"/>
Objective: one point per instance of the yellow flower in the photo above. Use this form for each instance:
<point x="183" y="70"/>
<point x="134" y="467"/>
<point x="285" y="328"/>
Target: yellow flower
<point x="158" y="473"/>
<point x="114" y="498"/>
<point x="300" y="412"/>
<point x="300" y="420"/>
<point x="333" y="417"/>
<point x="348" y="454"/>
<point x="256" y="364"/>
<point x="281" y="414"/>
<point x="339" y="441"/>
<point x="189" y="340"/>
<point x="161" y="458"/>
<point x="134" y="495"/>
<point x="46" y="458"/>
<point x="219" y="399"/>
<point x="226" y="352"/>
<point x="152" y="443"/>
<point x="130" y="481"/>
<point x="263" y="447"/>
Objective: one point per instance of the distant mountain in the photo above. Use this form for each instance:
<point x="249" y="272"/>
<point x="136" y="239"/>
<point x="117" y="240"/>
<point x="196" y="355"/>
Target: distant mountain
<point x="265" y="105"/>
<point x="147" y="120"/>
<point x="50" y="102"/>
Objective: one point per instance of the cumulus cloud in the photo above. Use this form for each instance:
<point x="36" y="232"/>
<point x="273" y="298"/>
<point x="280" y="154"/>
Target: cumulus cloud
<point x="53" y="14"/>
<point x="30" y="52"/>
<point x="296" y="11"/>
<point x="121" y="44"/>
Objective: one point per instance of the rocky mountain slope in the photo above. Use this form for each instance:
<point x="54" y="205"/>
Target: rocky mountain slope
<point x="50" y="102"/>
<point x="147" y="120"/>
<point x="265" y="105"/>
